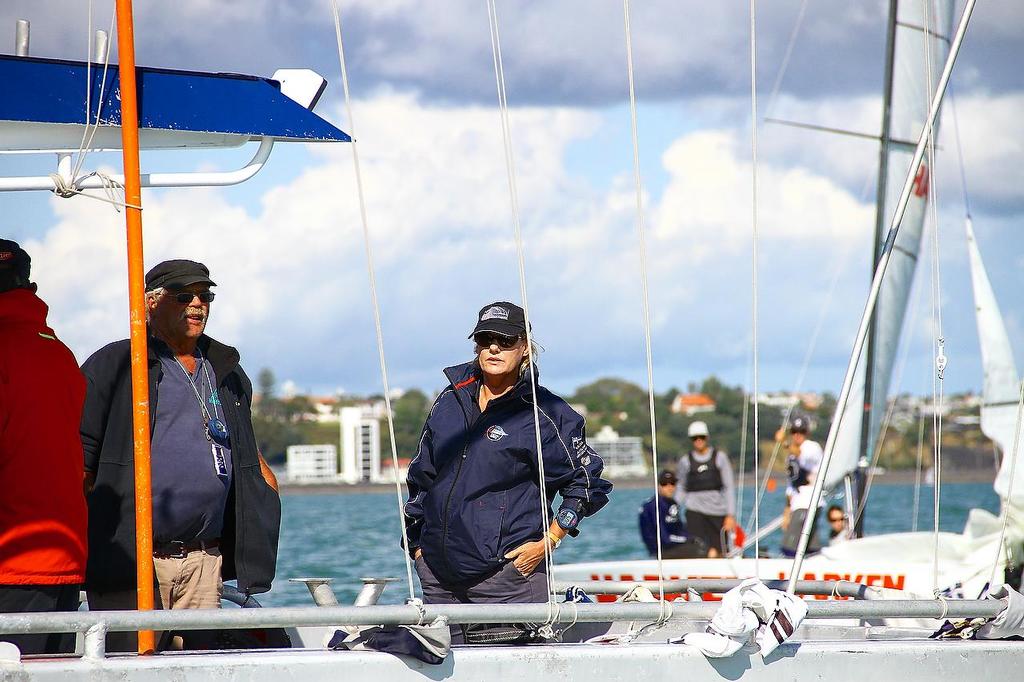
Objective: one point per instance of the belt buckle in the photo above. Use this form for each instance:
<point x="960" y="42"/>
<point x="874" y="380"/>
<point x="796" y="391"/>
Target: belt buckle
<point x="178" y="550"/>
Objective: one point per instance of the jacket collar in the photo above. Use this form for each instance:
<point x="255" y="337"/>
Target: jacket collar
<point x="223" y="357"/>
<point x="21" y="306"/>
<point x="466" y="378"/>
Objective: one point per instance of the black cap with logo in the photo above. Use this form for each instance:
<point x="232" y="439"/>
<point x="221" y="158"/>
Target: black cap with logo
<point x="175" y="274"/>
<point x="667" y="477"/>
<point x="15" y="266"/>
<point x="501" y="317"/>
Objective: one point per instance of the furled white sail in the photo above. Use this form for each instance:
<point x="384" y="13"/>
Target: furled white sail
<point x="922" y="44"/>
<point x="1001" y="389"/>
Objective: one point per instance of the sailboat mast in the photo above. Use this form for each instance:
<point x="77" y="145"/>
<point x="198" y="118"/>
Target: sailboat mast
<point x="880" y="221"/>
<point x="137" y="305"/>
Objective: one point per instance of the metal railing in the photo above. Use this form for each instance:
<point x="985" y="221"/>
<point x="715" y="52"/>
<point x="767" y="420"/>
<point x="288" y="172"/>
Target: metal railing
<point x="96" y="624"/>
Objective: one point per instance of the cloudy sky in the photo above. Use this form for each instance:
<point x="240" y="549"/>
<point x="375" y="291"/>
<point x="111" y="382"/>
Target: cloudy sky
<point x="287" y="249"/>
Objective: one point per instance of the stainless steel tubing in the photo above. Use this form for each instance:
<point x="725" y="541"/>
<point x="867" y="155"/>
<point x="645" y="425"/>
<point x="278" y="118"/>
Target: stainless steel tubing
<point x="119" y="621"/>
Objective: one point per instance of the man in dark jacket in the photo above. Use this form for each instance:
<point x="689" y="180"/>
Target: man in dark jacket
<point x="663" y="510"/>
<point x="42" y="508"/>
<point x="216" y="511"/>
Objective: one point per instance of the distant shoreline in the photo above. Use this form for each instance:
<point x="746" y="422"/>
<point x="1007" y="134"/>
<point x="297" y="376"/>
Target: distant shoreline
<point x="897" y="477"/>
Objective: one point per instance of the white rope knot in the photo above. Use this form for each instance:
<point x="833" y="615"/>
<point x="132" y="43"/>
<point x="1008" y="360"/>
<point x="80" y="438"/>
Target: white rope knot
<point x="945" y="605"/>
<point x="113" y="189"/>
<point x="417" y="603"/>
<point x="62" y="187"/>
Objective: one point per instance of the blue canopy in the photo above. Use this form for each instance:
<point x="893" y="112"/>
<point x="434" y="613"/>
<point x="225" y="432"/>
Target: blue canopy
<point x="52" y="91"/>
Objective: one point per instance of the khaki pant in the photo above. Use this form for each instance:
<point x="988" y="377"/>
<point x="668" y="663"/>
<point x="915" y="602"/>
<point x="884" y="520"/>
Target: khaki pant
<point x="192" y="582"/>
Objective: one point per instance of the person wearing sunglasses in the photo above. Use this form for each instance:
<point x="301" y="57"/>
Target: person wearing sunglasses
<point x="216" y="510"/>
<point x="837" y="530"/>
<point x="474" y="514"/>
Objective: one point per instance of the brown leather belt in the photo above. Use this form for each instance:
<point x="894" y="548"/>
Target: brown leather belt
<point x="178" y="549"/>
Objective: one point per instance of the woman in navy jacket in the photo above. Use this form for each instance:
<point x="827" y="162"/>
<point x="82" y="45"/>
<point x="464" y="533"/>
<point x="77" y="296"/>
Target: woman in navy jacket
<point x="474" y="512"/>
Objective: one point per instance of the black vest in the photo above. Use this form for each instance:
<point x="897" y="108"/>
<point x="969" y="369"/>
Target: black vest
<point x="704" y="476"/>
<point x="797" y="474"/>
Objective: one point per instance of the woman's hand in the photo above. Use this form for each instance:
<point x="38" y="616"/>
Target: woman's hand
<point x="526" y="556"/>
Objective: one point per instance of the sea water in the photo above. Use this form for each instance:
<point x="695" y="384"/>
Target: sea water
<point x="346" y="536"/>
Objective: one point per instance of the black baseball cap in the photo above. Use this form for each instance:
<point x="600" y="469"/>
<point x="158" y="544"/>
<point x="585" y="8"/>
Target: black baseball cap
<point x="15" y="265"/>
<point x="501" y="317"/>
<point x="799" y="424"/>
<point x="175" y="274"/>
<point x="667" y="477"/>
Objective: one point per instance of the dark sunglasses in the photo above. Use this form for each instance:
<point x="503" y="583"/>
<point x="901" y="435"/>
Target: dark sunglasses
<point x="835" y="519"/>
<point x="502" y="341"/>
<point x="185" y="297"/>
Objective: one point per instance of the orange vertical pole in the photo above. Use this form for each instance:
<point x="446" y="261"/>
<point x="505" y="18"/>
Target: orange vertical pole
<point x="137" y="306"/>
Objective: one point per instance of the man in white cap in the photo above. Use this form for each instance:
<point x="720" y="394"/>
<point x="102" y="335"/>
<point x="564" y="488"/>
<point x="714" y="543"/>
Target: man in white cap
<point x="706" y="489"/>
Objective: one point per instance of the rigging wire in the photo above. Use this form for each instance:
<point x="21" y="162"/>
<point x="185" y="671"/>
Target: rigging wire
<point x="1000" y="546"/>
<point x="89" y="132"/>
<point x="768" y="110"/>
<point x="510" y="169"/>
<point x="743" y="455"/>
<point x="926" y="174"/>
<point x="754" y="272"/>
<point x="641" y="232"/>
<point x="920" y="460"/>
<point x="373" y="293"/>
<point x="890" y="410"/>
<point x="959" y="153"/>
<point x="804" y="367"/>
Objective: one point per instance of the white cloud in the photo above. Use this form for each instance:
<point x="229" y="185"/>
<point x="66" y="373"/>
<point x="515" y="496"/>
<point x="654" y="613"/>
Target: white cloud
<point x="293" y="291"/>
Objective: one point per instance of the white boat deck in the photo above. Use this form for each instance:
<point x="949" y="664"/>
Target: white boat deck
<point x="838" y="660"/>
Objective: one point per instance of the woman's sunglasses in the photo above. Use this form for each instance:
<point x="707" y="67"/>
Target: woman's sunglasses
<point x="185" y="297"/>
<point x="502" y="341"/>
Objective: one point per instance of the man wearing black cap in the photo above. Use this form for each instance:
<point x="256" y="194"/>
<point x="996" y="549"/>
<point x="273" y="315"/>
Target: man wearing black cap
<point x="216" y="511"/>
<point x="805" y="457"/>
<point x="42" y="508"/>
<point x="662" y="510"/>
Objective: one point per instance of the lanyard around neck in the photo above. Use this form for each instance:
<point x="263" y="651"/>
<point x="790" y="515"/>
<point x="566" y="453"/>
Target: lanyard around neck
<point x="191" y="383"/>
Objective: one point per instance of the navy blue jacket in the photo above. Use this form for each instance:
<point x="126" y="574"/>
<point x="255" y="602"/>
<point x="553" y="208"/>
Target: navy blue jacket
<point x="673" y="530"/>
<point x="473" y="485"/>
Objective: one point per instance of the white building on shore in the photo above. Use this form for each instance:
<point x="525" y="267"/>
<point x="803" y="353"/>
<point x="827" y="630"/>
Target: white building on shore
<point x="357" y="462"/>
<point x="623" y="456"/>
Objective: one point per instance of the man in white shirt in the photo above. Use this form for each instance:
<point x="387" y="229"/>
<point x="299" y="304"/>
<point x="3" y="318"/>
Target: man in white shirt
<point x="804" y="460"/>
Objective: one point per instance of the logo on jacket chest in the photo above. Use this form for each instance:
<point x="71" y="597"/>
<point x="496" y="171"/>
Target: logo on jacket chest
<point x="495" y="433"/>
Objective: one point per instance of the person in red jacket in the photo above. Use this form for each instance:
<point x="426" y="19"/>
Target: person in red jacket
<point x="42" y="502"/>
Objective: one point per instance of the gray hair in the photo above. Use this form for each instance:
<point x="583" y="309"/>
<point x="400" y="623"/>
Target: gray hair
<point x="151" y="294"/>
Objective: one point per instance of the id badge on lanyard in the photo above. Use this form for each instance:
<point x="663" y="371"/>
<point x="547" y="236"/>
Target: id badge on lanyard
<point x="220" y="464"/>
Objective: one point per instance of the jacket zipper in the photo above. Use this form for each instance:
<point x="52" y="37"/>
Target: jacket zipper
<point x="470" y="428"/>
<point x="448" y="500"/>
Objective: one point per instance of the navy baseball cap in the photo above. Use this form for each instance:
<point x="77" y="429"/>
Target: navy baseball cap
<point x="175" y="274"/>
<point x="501" y="317"/>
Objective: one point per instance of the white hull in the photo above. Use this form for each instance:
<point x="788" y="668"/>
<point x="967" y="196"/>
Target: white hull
<point x="900" y="561"/>
<point x="843" y="655"/>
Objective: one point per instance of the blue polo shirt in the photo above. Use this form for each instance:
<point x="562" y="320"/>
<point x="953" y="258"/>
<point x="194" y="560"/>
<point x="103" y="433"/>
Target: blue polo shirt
<point x="188" y="494"/>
